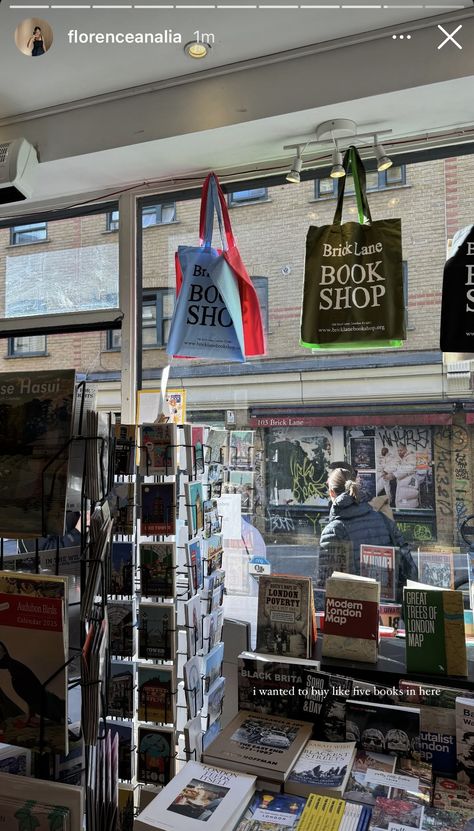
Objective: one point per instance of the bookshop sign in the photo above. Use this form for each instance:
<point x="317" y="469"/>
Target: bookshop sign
<point x="348" y="420"/>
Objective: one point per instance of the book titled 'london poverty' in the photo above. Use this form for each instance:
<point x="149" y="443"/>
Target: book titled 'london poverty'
<point x="351" y="618"/>
<point x="284" y="624"/>
<point x="198" y="797"/>
<point x="434" y="624"/>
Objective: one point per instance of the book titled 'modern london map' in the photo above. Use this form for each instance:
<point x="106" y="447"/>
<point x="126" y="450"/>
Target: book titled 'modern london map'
<point x="36" y="414"/>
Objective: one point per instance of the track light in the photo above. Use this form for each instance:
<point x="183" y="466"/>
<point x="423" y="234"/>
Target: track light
<point x="337" y="171"/>
<point x="294" y="174"/>
<point x="383" y="161"/>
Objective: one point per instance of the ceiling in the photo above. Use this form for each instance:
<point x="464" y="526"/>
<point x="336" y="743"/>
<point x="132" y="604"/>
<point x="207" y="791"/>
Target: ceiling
<point x="106" y="116"/>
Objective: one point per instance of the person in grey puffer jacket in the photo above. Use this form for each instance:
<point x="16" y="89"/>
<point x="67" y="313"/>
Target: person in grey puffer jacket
<point x="355" y="521"/>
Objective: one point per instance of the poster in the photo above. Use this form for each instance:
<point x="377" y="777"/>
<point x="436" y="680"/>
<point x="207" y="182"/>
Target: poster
<point x="298" y="465"/>
<point x="147" y="406"/>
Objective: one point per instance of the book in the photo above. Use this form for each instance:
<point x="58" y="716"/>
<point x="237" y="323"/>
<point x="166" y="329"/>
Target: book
<point x="390" y="614"/>
<point x="360" y="786"/>
<point x="351" y="618"/>
<point x="158" y="509"/>
<point x="156" y="630"/>
<point x="120" y="691"/>
<point x="124" y="449"/>
<point x="122" y="568"/>
<point x="192" y="671"/>
<point x="33" y="653"/>
<point x="283" y="615"/>
<point x="451" y="795"/>
<point x="413" y="780"/>
<point x="270" y="811"/>
<point x="436" y="568"/>
<point x="390" y="814"/>
<point x="27" y="791"/>
<point x="259" y="744"/>
<point x="378" y="562"/>
<point x="37" y="422"/>
<point x="199" y="796"/>
<point x="322" y="767"/>
<point x="157" y="569"/>
<point x="383" y="728"/>
<point x="194" y="563"/>
<point x="158" y="449"/>
<point x="438" y="819"/>
<point x="465" y="739"/>
<point x="194" y="507"/>
<point x="156" y="755"/>
<point x="120" y="620"/>
<point x="434" y="624"/>
<point x="156" y="694"/>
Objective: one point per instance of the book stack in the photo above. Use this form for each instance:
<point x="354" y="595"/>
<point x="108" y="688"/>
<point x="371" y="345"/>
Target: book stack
<point x="325" y="812"/>
<point x="265" y="746"/>
<point x="351" y="618"/>
<point x="434" y="624"/>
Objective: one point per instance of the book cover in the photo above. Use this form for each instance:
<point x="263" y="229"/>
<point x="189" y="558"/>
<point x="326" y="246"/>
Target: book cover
<point x="437" y="819"/>
<point x="23" y="789"/>
<point x="436" y="568"/>
<point x="283" y="615"/>
<point x="124" y="449"/>
<point x="383" y="728"/>
<point x="199" y="796"/>
<point x="157" y="569"/>
<point x="192" y="674"/>
<point x="121" y="581"/>
<point x="351" y="618"/>
<point x="212" y="665"/>
<point x="156" y="694"/>
<point x="194" y="507"/>
<point x="451" y="795"/>
<point x="156" y="630"/>
<point x="120" y="620"/>
<point x="158" y="515"/>
<point x="434" y="624"/>
<point x="158" y="449"/>
<point x="395" y="815"/>
<point x="360" y="786"/>
<point x="33" y="652"/>
<point x="260" y="744"/>
<point x="156" y="755"/>
<point x="465" y="740"/>
<point x="272" y="809"/>
<point x="194" y="563"/>
<point x="413" y="780"/>
<point x="322" y="767"/>
<point x="378" y="562"/>
<point x="36" y="425"/>
<point x="121" y="683"/>
<point x="194" y="625"/>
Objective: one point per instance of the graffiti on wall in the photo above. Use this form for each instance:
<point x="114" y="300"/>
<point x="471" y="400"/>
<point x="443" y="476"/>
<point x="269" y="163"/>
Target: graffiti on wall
<point x="298" y="459"/>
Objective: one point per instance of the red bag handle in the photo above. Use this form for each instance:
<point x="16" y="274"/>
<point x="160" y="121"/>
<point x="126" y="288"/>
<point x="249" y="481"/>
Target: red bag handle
<point x="223" y="206"/>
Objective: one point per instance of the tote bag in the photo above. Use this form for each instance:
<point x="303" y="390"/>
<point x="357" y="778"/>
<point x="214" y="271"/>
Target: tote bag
<point x="457" y="305"/>
<point x="217" y="313"/>
<point x="353" y="282"/>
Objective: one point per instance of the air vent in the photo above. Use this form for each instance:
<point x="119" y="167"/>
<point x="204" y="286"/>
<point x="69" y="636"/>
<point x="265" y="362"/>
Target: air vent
<point x="3" y="152"/>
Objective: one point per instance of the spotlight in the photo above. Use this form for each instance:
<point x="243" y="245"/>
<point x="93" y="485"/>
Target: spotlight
<point x="337" y="171"/>
<point x="383" y="161"/>
<point x="196" y="49"/>
<point x="294" y="174"/>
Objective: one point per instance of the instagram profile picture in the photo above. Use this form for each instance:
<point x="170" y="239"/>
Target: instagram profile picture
<point x="33" y="37"/>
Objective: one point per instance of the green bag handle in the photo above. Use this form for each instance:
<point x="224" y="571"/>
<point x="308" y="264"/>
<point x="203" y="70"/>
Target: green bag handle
<point x="353" y="164"/>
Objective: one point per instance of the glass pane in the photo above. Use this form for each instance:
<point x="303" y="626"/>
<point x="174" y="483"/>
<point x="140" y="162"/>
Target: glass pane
<point x="77" y="272"/>
<point x="149" y="336"/>
<point x="394" y="174"/>
<point x="168" y="303"/>
<point x="248" y="195"/>
<point x="32" y="343"/>
<point x="116" y="339"/>
<point x="372" y="180"/>
<point x="150" y="216"/>
<point x="326" y="186"/>
<point x="166" y="331"/>
<point x="168" y="213"/>
<point x="149" y="313"/>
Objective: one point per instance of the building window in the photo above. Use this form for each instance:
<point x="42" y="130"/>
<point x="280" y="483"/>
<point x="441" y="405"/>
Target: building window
<point x="33" y="232"/>
<point x="158" y="214"/>
<point x="244" y="197"/>
<point x="112" y="220"/>
<point x="394" y="177"/>
<point x="261" y="287"/>
<point x="27" y="346"/>
<point x="157" y="311"/>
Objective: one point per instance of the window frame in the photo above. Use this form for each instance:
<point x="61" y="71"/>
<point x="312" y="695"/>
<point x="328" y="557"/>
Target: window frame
<point x="382" y="184"/>
<point x="250" y="200"/>
<point x="12" y="353"/>
<point x="155" y="297"/>
<point x="160" y="206"/>
<point x="20" y="229"/>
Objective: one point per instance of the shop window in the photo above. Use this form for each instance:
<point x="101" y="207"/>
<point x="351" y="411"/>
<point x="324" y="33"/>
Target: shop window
<point x="31" y="233"/>
<point x="261" y="287"/>
<point x="27" y="346"/>
<point x="244" y="197"/>
<point x="157" y="311"/>
<point x="395" y="176"/>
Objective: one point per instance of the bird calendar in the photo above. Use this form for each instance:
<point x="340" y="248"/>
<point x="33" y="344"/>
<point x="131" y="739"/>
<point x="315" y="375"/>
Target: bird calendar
<point x="33" y="648"/>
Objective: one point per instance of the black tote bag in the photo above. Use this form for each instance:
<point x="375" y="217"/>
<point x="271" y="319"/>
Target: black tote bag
<point x="353" y="283"/>
<point x="457" y="306"/>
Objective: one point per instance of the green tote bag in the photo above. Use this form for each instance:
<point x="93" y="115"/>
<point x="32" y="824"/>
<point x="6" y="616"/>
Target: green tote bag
<point x="353" y="284"/>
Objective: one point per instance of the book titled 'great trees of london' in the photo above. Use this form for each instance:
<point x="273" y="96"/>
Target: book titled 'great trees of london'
<point x="434" y="622"/>
<point x="36" y="412"/>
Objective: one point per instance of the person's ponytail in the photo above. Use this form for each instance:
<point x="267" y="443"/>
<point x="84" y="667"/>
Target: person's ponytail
<point x="352" y="488"/>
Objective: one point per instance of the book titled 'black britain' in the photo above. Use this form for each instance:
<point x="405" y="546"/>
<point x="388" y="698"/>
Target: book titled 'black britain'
<point x="266" y="746"/>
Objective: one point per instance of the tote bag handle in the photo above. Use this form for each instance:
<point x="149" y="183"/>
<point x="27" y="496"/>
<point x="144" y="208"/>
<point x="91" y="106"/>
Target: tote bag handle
<point x="353" y="163"/>
<point x="213" y="199"/>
